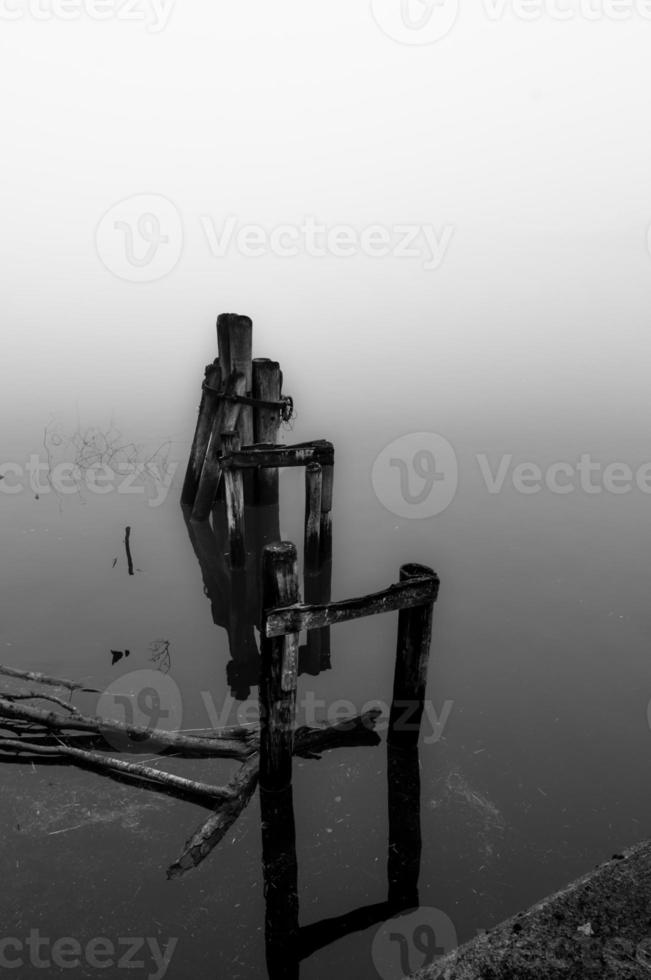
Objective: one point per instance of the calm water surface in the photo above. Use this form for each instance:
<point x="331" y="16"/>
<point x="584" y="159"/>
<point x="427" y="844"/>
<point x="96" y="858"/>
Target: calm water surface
<point x="540" y="648"/>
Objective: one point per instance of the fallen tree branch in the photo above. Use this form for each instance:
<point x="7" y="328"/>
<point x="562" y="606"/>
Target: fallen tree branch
<point x="308" y="741"/>
<point x="33" y="696"/>
<point x="37" y="678"/>
<point x="97" y="760"/>
<point x="218" y="745"/>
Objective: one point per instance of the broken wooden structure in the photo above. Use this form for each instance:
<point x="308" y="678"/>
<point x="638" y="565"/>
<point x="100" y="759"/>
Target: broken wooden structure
<point x="236" y="434"/>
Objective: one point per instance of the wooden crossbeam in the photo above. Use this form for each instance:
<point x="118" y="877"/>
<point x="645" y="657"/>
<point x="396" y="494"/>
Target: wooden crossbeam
<point x="254" y="457"/>
<point x="403" y="595"/>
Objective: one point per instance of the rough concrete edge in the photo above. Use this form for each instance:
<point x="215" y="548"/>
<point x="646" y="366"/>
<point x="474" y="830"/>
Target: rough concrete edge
<point x="465" y="963"/>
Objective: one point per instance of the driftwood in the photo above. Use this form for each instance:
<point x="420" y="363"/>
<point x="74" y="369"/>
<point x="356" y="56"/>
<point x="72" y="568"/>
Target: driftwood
<point x="37" y="678"/>
<point x="96" y="760"/>
<point x="231" y="743"/>
<point x="404" y="595"/>
<point x="308" y="742"/>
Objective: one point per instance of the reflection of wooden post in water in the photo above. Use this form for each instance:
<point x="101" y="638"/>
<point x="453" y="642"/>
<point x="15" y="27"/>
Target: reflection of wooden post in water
<point x="267" y="383"/>
<point x="234" y="493"/>
<point x="412" y="658"/>
<point x="403" y="865"/>
<point x="207" y="409"/>
<point x="227" y="591"/>
<point x="225" y="419"/>
<point x="244" y="669"/>
<point x="279" y="670"/>
<point x="280" y="884"/>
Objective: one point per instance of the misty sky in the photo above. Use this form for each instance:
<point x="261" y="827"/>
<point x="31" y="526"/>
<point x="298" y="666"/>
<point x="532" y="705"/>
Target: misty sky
<point x="525" y="146"/>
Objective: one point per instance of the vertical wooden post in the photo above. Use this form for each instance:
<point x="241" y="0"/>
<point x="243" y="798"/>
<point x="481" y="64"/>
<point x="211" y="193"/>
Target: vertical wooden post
<point x="240" y="340"/>
<point x="225" y="419"/>
<point x="279" y="670"/>
<point x="267" y="381"/>
<point x="412" y="657"/>
<point x="313" y="491"/>
<point x="325" y="533"/>
<point x="325" y="559"/>
<point x="224" y="343"/>
<point x="207" y="410"/>
<point x="234" y="491"/>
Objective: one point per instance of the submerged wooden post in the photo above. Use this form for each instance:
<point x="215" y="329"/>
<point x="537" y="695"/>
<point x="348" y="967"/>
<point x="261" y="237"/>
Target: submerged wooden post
<point x="207" y="410"/>
<point x="234" y="492"/>
<point x="225" y="419"/>
<point x="313" y="493"/>
<point x="412" y="658"/>
<point x="279" y="670"/>
<point x="267" y="383"/>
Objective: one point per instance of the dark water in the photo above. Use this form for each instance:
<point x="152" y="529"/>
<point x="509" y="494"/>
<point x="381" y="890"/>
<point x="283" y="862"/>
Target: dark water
<point x="539" y="670"/>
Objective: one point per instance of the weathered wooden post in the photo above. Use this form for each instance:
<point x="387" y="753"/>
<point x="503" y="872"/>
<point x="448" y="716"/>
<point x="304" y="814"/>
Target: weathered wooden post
<point x="223" y="342"/>
<point x="325" y="533"/>
<point x="225" y="419"/>
<point x="207" y="410"/>
<point x="412" y="658"/>
<point x="267" y="383"/>
<point x="234" y="493"/>
<point x="325" y="558"/>
<point x="279" y="670"/>
<point x="313" y="494"/>
<point x="240" y="341"/>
